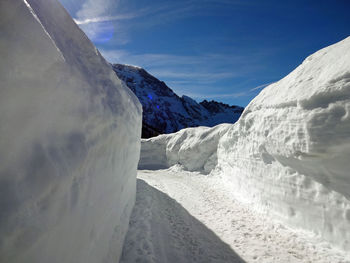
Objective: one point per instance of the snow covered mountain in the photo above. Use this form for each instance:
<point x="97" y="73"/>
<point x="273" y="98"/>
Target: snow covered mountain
<point x="288" y="155"/>
<point x="166" y="112"/>
<point x="69" y="141"/>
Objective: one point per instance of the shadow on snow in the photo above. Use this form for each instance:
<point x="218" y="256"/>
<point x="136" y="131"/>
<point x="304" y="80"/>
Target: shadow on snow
<point x="161" y="230"/>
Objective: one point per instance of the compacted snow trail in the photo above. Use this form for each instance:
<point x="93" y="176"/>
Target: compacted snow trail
<point x="188" y="217"/>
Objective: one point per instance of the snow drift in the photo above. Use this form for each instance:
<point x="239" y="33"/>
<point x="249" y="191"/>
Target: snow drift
<point x="289" y="153"/>
<point x="194" y="148"/>
<point x="69" y="141"/>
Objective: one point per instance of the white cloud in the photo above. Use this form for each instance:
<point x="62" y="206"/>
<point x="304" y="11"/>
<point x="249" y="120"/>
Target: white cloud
<point x="217" y="96"/>
<point x="96" y="8"/>
<point x="262" y="86"/>
<point x="115" y="56"/>
<point x="226" y="95"/>
<point x="192" y="69"/>
<point x="204" y="76"/>
<point x="193" y="75"/>
<point x="199" y="70"/>
<point x="99" y="20"/>
<point x="157" y="61"/>
<point x="104" y="19"/>
<point x="93" y="12"/>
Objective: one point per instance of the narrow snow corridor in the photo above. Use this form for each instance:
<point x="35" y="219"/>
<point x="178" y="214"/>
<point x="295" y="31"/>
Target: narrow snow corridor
<point x="188" y="217"/>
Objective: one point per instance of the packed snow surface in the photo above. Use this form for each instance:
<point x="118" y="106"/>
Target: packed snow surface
<point x="188" y="217"/>
<point x="288" y="155"/>
<point x="69" y="141"/>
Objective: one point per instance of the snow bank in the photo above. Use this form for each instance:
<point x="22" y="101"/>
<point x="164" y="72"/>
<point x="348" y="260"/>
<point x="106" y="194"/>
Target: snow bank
<point x="289" y="154"/>
<point x="69" y="141"/>
<point x="193" y="148"/>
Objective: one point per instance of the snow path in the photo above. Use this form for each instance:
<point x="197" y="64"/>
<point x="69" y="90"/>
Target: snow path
<point x="188" y="217"/>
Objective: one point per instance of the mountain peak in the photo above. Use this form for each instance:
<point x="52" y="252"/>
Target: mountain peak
<point x="166" y="112"/>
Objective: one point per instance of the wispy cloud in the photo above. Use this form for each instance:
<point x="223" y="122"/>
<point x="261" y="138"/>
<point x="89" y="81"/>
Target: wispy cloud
<point x="213" y="62"/>
<point x="262" y="86"/>
<point x="98" y="19"/>
<point x="203" y="72"/>
<point x="157" y="61"/>
<point x="217" y="96"/>
<point x="193" y="75"/>
<point x="199" y="69"/>
<point x="221" y="96"/>
<point x="105" y="19"/>
<point x="94" y="12"/>
<point x="96" y="8"/>
<point x="218" y="76"/>
<point x="210" y="74"/>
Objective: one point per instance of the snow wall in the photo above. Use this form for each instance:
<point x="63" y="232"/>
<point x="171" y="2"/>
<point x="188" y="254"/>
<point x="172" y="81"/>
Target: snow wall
<point x="289" y="154"/>
<point x="69" y="141"/>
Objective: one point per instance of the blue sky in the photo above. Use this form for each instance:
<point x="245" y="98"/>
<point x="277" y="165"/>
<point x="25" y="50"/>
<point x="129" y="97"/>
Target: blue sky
<point x="226" y="50"/>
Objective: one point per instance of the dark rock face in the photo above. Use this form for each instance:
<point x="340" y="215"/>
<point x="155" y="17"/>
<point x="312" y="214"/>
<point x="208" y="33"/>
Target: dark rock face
<point x="218" y="107"/>
<point x="164" y="111"/>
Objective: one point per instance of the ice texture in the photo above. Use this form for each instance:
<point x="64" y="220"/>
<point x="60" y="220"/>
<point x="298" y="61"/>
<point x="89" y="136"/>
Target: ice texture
<point x="289" y="154"/>
<point x="69" y="141"/>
